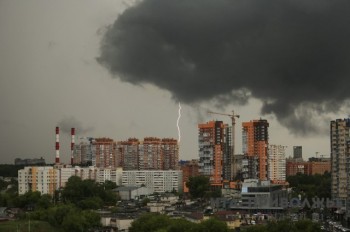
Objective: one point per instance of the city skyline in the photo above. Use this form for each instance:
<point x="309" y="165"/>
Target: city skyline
<point x="50" y="77"/>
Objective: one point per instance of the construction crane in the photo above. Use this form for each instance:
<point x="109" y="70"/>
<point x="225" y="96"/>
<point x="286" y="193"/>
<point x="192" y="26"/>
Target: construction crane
<point x="233" y="117"/>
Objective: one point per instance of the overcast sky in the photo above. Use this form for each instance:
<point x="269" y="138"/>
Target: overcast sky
<point x="85" y="64"/>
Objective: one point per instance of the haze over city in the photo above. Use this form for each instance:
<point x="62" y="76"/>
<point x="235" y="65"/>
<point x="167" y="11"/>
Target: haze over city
<point x="118" y="69"/>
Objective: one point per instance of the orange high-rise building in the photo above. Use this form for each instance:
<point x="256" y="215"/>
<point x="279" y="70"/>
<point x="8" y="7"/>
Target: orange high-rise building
<point x="128" y="154"/>
<point x="211" y="147"/>
<point x="255" y="144"/>
<point x="105" y="152"/>
<point x="150" y="154"/>
<point x="170" y="153"/>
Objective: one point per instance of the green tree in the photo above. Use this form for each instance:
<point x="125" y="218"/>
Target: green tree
<point x="310" y="186"/>
<point x="87" y="194"/>
<point x="286" y="226"/>
<point x="73" y="222"/>
<point x="57" y="214"/>
<point x="213" y="225"/>
<point x="91" y="219"/>
<point x="45" y="201"/>
<point x="150" y="222"/>
<point x="181" y="225"/>
<point x="198" y="186"/>
<point x="109" y="185"/>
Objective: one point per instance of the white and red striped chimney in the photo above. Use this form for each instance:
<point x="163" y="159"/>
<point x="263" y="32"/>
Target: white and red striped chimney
<point x="57" y="147"/>
<point x="72" y="132"/>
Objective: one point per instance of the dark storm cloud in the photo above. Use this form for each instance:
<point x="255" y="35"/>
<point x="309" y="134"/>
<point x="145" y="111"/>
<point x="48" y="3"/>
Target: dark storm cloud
<point x="67" y="123"/>
<point x="293" y="55"/>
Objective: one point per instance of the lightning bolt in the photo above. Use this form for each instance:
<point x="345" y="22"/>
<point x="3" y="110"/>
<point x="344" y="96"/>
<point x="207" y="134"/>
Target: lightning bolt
<point x="177" y="123"/>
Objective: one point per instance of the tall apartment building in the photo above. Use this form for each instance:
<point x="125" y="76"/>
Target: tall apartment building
<point x="41" y="179"/>
<point x="255" y="139"/>
<point x="276" y="163"/>
<point x="83" y="152"/>
<point x="150" y="154"/>
<point x="128" y="154"/>
<point x="170" y="153"/>
<point x="104" y="152"/>
<point x="340" y="157"/>
<point x="211" y="148"/>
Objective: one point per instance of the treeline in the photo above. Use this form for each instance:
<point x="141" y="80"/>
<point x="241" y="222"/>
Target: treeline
<point x="285" y="226"/>
<point x="10" y="170"/>
<point x="163" y="223"/>
<point x="311" y="186"/>
<point x="71" y="208"/>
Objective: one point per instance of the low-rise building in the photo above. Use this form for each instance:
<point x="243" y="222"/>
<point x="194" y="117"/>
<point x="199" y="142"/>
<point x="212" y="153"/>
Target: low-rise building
<point x="262" y="195"/>
<point x="25" y="162"/>
<point x="132" y="192"/>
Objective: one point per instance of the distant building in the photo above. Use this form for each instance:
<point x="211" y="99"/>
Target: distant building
<point x="277" y="163"/>
<point x="104" y="153"/>
<point x="170" y="153"/>
<point x="150" y="154"/>
<point x="189" y="168"/>
<point x="27" y="162"/>
<point x="255" y="139"/>
<point x="128" y="154"/>
<point x="84" y="152"/>
<point x="293" y="167"/>
<point x="298" y="152"/>
<point x="311" y="167"/>
<point x="318" y="166"/>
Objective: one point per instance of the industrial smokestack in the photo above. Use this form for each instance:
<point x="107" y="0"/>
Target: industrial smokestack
<point x="72" y="145"/>
<point x="57" y="160"/>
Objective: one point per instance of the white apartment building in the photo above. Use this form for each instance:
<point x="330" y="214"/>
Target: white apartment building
<point x="41" y="179"/>
<point x="157" y="181"/>
<point x="111" y="174"/>
<point x="48" y="179"/>
<point x="276" y="163"/>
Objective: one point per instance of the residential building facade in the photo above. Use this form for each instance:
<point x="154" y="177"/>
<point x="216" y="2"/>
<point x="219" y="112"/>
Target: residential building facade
<point x="255" y="139"/>
<point x="340" y="157"/>
<point x="41" y="179"/>
<point x="158" y="181"/>
<point x="104" y="153"/>
<point x="276" y="163"/>
<point x="211" y="150"/>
